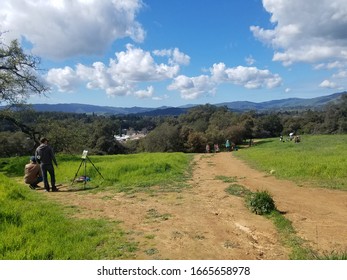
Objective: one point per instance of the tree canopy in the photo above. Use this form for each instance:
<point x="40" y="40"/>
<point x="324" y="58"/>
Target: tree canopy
<point x="190" y="132"/>
<point x="18" y="74"/>
<point x="19" y="79"/>
<point x="72" y="133"/>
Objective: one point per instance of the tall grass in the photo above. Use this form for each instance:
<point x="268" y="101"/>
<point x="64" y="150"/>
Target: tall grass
<point x="321" y="159"/>
<point x="33" y="228"/>
<point x="144" y="170"/>
<point x="121" y="172"/>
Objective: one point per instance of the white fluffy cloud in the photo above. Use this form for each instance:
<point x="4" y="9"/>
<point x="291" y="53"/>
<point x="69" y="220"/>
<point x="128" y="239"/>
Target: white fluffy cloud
<point x="248" y="77"/>
<point x="193" y="87"/>
<point x="65" y="79"/>
<point x="65" y="28"/>
<point x="306" y="31"/>
<point x="137" y="65"/>
<point x="340" y="75"/>
<point x="328" y="84"/>
<point x="145" y="93"/>
<point x="176" y="57"/>
<point x="124" y="73"/>
<point x="120" y="77"/>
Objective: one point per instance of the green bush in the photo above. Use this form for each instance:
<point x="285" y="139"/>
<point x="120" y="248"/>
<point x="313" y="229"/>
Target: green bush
<point x="260" y="202"/>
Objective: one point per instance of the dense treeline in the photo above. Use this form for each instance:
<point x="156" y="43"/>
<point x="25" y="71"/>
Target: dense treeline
<point x="190" y="132"/>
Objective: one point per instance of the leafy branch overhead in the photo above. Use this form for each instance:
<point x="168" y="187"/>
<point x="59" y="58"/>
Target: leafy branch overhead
<point x="18" y="74"/>
<point x="19" y="79"/>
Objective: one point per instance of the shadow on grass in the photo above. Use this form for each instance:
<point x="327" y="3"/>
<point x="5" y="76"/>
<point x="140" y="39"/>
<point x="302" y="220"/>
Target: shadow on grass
<point x="72" y="188"/>
<point x="81" y="189"/>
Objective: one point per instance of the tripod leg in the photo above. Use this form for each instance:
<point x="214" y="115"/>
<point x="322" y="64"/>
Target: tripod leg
<point x="95" y="167"/>
<point x="73" y="180"/>
<point x="85" y="174"/>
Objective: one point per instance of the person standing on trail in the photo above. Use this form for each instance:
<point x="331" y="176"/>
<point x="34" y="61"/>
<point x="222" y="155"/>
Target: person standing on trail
<point x="207" y="148"/>
<point x="33" y="174"/>
<point x="45" y="156"/>
<point x="227" y="145"/>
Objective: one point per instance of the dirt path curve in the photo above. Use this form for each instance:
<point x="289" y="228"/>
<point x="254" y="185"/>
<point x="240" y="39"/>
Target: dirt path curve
<point x="204" y="222"/>
<point x="318" y="215"/>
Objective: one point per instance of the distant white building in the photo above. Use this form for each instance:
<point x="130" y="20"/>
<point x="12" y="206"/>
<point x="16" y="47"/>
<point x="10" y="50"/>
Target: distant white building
<point x="122" y="138"/>
<point x="126" y="137"/>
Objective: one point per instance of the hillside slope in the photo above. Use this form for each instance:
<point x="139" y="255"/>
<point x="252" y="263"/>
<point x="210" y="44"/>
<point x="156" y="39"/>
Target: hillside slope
<point x="238" y="106"/>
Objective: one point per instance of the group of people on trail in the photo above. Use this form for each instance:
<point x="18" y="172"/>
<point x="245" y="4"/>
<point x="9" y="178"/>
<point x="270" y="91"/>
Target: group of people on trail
<point x="229" y="146"/>
<point x="215" y="148"/>
<point x="40" y="166"/>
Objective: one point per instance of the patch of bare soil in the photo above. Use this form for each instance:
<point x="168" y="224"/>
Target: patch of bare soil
<point x="204" y="222"/>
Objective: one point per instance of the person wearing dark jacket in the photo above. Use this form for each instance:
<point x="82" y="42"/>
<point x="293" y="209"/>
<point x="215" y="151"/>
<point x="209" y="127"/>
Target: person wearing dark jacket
<point x="45" y="156"/>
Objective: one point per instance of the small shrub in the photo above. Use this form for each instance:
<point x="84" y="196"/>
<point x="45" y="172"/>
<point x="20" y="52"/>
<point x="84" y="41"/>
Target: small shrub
<point x="260" y="202"/>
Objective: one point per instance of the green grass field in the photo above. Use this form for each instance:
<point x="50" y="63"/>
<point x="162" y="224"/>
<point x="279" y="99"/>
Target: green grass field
<point x="320" y="160"/>
<point x="31" y="227"/>
<point x="118" y="172"/>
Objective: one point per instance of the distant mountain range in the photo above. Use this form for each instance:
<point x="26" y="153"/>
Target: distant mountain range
<point x="238" y="106"/>
<point x="285" y="104"/>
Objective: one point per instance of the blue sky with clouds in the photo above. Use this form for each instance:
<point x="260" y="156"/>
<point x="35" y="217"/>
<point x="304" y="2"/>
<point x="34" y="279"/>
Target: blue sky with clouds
<point x="153" y="53"/>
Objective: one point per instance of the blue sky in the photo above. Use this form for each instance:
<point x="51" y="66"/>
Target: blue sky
<point x="154" y="53"/>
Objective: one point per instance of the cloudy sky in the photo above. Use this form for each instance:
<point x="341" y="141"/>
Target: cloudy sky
<point x="153" y="53"/>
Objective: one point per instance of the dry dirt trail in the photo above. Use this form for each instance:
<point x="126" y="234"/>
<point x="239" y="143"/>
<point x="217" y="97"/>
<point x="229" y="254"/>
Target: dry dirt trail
<point x="204" y="222"/>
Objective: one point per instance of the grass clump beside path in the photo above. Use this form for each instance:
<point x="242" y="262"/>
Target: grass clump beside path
<point x="261" y="203"/>
<point x="317" y="159"/>
<point x="259" y="200"/>
<point x="288" y="236"/>
<point x="34" y="229"/>
<point x="299" y="250"/>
